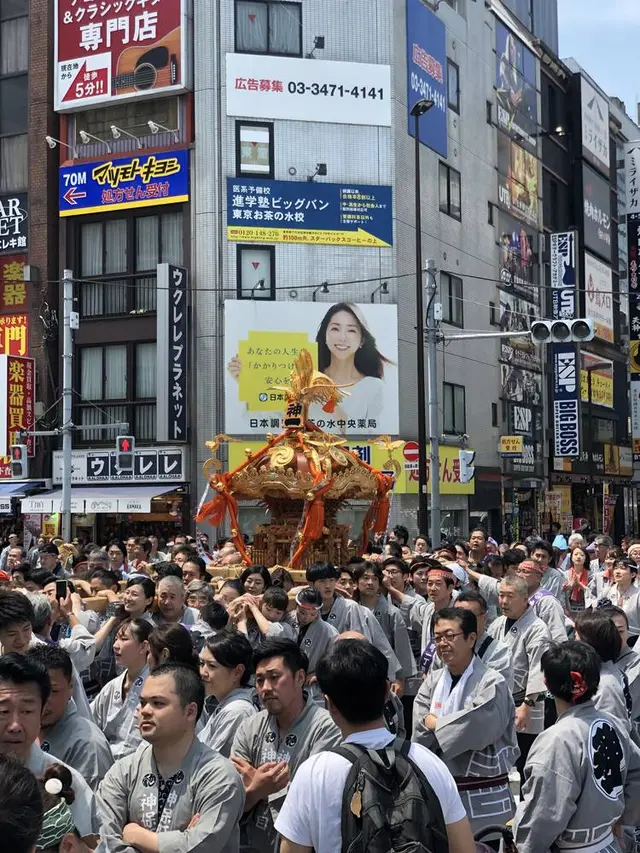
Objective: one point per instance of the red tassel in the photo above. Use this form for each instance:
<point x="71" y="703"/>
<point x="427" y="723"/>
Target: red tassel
<point x="214" y="511"/>
<point x="314" y="521"/>
<point x="382" y="515"/>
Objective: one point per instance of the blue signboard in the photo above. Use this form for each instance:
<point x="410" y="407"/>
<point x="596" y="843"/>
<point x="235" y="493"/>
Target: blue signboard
<point x="262" y="211"/>
<point x="566" y="400"/>
<point x="138" y="180"/>
<point x="427" y="73"/>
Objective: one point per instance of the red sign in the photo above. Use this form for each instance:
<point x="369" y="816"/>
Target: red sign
<point x="411" y="451"/>
<point x="14" y="334"/>
<point x="118" y="50"/>
<point x="17" y="412"/>
<point x="13" y="288"/>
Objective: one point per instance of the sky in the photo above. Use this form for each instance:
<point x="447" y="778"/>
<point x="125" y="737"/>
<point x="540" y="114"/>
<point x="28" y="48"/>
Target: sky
<point x="602" y="36"/>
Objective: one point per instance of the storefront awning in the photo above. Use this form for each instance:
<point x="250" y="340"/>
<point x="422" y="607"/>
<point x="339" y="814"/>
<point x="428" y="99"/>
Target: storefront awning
<point x="101" y="499"/>
<point x="8" y="491"/>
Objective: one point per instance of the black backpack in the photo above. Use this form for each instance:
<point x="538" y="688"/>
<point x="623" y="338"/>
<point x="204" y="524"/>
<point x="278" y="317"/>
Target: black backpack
<point x="388" y="805"/>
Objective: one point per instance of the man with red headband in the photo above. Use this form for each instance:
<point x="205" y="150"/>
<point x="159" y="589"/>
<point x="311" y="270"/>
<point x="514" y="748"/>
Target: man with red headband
<point x="581" y="778"/>
<point x="544" y="603"/>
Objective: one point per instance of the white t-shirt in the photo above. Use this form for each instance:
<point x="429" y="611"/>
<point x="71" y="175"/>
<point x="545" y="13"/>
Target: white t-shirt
<point x="312" y="812"/>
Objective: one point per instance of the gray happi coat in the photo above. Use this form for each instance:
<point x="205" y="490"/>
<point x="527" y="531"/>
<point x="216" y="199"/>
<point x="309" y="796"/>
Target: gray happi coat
<point x="207" y="785"/>
<point x="317" y="638"/>
<point x="479" y="740"/>
<point x="117" y="718"/>
<point x="419" y="612"/>
<point x="222" y="725"/>
<point x="395" y="630"/>
<point x="348" y="615"/>
<point x="80" y="744"/>
<point x="528" y="638"/>
<point x="259" y="740"/>
<point x="582" y="777"/>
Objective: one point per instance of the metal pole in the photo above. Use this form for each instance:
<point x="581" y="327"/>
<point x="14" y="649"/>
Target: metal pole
<point x="434" y="438"/>
<point x="422" y="403"/>
<point x="67" y="404"/>
<point x="592" y="488"/>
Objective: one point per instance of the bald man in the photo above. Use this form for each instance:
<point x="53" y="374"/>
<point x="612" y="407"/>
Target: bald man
<point x="171" y="603"/>
<point x="394" y="709"/>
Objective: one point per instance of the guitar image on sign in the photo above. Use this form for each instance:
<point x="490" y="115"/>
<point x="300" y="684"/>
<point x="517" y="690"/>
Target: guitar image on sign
<point x="151" y="67"/>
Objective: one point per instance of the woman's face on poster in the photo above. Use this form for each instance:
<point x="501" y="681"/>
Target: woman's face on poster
<point x="343" y="335"/>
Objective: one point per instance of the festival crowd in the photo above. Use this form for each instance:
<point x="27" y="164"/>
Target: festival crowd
<point x="168" y="698"/>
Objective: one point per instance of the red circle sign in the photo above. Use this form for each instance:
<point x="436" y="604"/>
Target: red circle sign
<point x="411" y="451"/>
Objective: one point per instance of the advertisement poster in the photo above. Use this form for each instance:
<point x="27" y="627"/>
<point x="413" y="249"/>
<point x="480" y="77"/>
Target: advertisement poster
<point x="118" y="51"/>
<point x="283" y="87"/>
<point x="566" y="405"/>
<point x="597" y="213"/>
<point x="13" y="287"/>
<point x="518" y="248"/>
<point x="139" y="180"/>
<point x="601" y="381"/>
<point x="599" y="296"/>
<point x="352" y="344"/>
<point x="521" y="386"/>
<point x="309" y="212"/>
<point x="172" y="331"/>
<point x="427" y="74"/>
<point x="595" y="126"/>
<point x="516" y="316"/>
<point x="517" y="180"/>
<point x="564" y="275"/>
<point x="406" y="479"/>
<point x="516" y="87"/>
<point x="14" y="227"/>
<point x="14" y="334"/>
<point x="17" y="390"/>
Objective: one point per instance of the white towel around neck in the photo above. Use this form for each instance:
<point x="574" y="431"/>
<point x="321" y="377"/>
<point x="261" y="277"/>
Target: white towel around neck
<point x="446" y="701"/>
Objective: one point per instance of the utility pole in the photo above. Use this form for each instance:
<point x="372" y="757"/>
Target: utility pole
<point x="67" y="404"/>
<point x="433" y="309"/>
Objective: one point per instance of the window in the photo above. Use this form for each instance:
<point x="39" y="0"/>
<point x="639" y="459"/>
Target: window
<point x="489" y="112"/>
<point x="14" y="163"/>
<point x="125" y="253"/>
<point x="450" y="202"/>
<point x="494" y="415"/>
<point x="255" y="272"/>
<point x="494" y="320"/>
<point x="453" y="86"/>
<point x="117" y="383"/>
<point x="267" y="26"/>
<point x="14" y="95"/>
<point x="454" y="420"/>
<point x="254" y="149"/>
<point x="13" y="9"/>
<point x="451" y="298"/>
<point x="490" y="212"/>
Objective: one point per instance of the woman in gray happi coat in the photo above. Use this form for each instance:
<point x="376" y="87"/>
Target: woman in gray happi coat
<point x="313" y="636"/>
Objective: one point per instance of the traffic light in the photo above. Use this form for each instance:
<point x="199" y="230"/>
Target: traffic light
<point x="19" y="462"/>
<point x="125" y="449"/>
<point x="467" y="469"/>
<point x="562" y="331"/>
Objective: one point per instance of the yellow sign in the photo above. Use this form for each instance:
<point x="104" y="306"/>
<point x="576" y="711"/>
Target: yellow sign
<point x="511" y="445"/>
<point x="406" y="480"/>
<point x="612" y="459"/>
<point x="267" y="359"/>
<point x="601" y="386"/>
<point x="236" y="233"/>
<point x="634" y="356"/>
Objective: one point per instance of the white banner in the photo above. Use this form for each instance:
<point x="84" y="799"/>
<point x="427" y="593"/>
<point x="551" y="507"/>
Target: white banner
<point x="599" y="296"/>
<point x="355" y="345"/>
<point x="595" y="126"/>
<point x="308" y="90"/>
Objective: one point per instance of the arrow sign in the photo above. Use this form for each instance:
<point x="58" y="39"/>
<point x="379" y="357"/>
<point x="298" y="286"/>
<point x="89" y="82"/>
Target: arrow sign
<point x="72" y="196"/>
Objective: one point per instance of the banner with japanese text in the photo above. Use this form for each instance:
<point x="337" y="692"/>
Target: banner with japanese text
<point x="13" y="288"/>
<point x="119" y="50"/>
<point x="14" y="334"/>
<point x="632" y="205"/>
<point x="17" y="408"/>
<point x="355" y="345"/>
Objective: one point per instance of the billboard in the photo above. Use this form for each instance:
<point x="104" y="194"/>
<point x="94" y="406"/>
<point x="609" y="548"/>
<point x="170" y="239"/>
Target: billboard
<point x="599" y="296"/>
<point x="517" y="181"/>
<point x="564" y="274"/>
<point x="14" y="228"/>
<point x="427" y="74"/>
<point x="17" y="392"/>
<point x="632" y="162"/>
<point x="13" y="287"/>
<point x="597" y="213"/>
<point x="518" y="253"/>
<point x="406" y="480"/>
<point x="150" y="465"/>
<point x="521" y="386"/>
<point x="601" y="381"/>
<point x="122" y="183"/>
<point x="595" y="126"/>
<point x="566" y="403"/>
<point x="353" y="344"/>
<point x="517" y="101"/>
<point x="267" y="211"/>
<point x="14" y="334"/>
<point x="107" y="52"/>
<point x="516" y="316"/>
<point x="172" y="381"/>
<point x="281" y="87"/>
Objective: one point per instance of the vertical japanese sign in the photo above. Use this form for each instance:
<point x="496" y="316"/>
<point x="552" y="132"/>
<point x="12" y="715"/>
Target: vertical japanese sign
<point x="595" y="126"/>
<point x="118" y="50"/>
<point x="14" y="230"/>
<point x="427" y="74"/>
<point x="14" y="334"/>
<point x="172" y="382"/>
<point x="632" y="172"/>
<point x="13" y="288"/>
<point x="566" y="381"/>
<point x="17" y="393"/>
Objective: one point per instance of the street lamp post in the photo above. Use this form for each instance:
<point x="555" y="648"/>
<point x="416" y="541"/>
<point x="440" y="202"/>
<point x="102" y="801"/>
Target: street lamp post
<point x="419" y="109"/>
